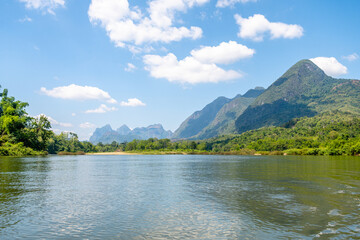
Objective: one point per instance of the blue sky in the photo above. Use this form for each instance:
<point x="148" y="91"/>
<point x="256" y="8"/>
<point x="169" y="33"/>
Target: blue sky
<point x="93" y="62"/>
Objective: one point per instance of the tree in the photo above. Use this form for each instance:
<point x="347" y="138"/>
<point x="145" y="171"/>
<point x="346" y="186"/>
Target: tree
<point x="13" y="117"/>
<point x="17" y="127"/>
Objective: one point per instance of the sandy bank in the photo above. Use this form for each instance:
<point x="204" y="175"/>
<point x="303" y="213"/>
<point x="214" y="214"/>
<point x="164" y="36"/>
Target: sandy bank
<point x="113" y="153"/>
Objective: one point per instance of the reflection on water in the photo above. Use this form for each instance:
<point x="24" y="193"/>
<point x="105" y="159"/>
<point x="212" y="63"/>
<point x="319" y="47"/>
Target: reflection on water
<point x="180" y="197"/>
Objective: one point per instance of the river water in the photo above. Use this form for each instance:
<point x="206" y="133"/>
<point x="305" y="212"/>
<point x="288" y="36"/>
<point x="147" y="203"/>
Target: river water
<point x="180" y="197"/>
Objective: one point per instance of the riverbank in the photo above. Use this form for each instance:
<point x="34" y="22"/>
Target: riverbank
<point x="172" y="152"/>
<point x="113" y="153"/>
<point x="248" y="152"/>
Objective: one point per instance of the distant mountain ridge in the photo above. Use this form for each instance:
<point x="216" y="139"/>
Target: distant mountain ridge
<point x="124" y="134"/>
<point x="216" y="118"/>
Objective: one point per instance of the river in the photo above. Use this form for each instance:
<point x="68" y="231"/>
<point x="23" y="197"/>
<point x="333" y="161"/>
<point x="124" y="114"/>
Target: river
<point x="179" y="197"/>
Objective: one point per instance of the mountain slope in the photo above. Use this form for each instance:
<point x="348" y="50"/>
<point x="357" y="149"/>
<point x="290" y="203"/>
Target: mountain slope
<point x="101" y="132"/>
<point x="152" y="131"/>
<point x="253" y="93"/>
<point x="304" y="90"/>
<point x="216" y="118"/>
<point x="123" y="130"/>
<point x="200" y="119"/>
<point x="224" y="121"/>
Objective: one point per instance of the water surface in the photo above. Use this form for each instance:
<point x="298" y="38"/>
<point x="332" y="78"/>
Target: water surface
<point x="180" y="197"/>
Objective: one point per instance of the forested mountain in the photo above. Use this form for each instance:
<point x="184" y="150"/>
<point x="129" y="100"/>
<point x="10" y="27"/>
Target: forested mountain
<point x="304" y="90"/>
<point x="124" y="134"/>
<point x="216" y="118"/>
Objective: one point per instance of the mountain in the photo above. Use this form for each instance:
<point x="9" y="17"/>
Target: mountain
<point x="224" y="121"/>
<point x="152" y="131"/>
<point x="216" y="118"/>
<point x="303" y="90"/>
<point x="123" y="130"/>
<point x="253" y="93"/>
<point x="101" y="133"/>
<point x="200" y="119"/>
<point x="124" y="134"/>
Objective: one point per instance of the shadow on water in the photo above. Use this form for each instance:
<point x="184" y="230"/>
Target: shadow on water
<point x="21" y="180"/>
<point x="309" y="196"/>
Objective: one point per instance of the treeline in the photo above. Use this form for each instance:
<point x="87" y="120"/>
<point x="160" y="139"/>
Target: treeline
<point x="332" y="133"/>
<point x="22" y="135"/>
<point x="69" y="143"/>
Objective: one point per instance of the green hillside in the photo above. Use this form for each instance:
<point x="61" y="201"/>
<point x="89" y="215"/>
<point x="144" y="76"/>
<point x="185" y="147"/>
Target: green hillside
<point x="329" y="133"/>
<point x="304" y="90"/>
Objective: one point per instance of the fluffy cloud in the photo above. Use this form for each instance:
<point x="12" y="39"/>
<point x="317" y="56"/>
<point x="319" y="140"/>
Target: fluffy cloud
<point x="227" y="3"/>
<point x="226" y="52"/>
<point x="188" y="70"/>
<point x="255" y="27"/>
<point x="54" y="122"/>
<point x="87" y="125"/>
<point x="48" y="5"/>
<point x="330" y="66"/>
<point x="76" y="92"/>
<point x="130" y="67"/>
<point x="201" y="66"/>
<point x="132" y="102"/>
<point x="102" y="109"/>
<point x="129" y="26"/>
<point x="351" y="57"/>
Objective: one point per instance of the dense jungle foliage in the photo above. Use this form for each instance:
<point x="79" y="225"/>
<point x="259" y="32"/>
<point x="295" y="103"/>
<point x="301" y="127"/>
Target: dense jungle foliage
<point x="20" y="133"/>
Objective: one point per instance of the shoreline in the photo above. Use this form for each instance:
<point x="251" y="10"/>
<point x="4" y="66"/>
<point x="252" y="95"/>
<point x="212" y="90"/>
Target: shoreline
<point x="113" y="153"/>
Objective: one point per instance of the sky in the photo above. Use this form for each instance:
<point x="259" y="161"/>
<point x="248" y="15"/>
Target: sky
<point x="89" y="63"/>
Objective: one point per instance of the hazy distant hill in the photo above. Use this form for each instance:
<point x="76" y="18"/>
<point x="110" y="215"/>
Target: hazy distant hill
<point x="216" y="118"/>
<point x="304" y="90"/>
<point x="200" y="119"/>
<point x="124" y="134"/>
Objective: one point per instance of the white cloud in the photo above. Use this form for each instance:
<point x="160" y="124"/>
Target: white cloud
<point x="73" y="114"/>
<point x="128" y="26"/>
<point x="130" y="67"/>
<point x="25" y="19"/>
<point x="54" y="122"/>
<point x="226" y="52"/>
<point x="188" y="70"/>
<point x="201" y="66"/>
<point x="87" y="125"/>
<point x="255" y="27"/>
<point x="227" y="3"/>
<point x="48" y="5"/>
<point x="76" y="92"/>
<point x="132" y="102"/>
<point x="351" y="57"/>
<point x="102" y="109"/>
<point x="330" y="66"/>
